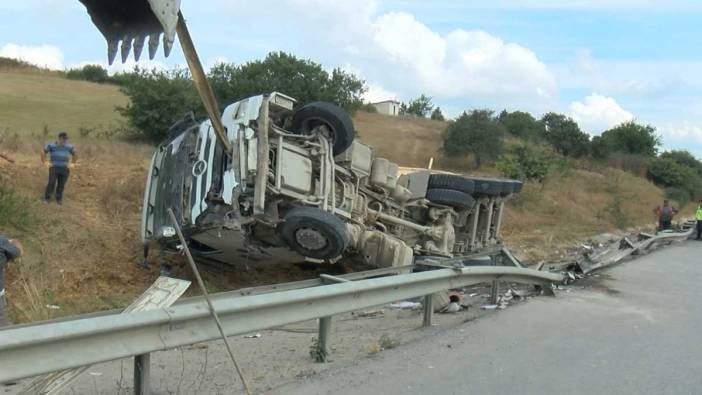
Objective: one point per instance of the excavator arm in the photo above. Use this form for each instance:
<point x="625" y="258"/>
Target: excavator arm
<point x="132" y="21"/>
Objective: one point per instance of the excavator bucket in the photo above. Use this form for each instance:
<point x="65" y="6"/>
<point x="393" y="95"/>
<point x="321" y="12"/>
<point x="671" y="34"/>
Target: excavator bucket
<point x="132" y="21"/>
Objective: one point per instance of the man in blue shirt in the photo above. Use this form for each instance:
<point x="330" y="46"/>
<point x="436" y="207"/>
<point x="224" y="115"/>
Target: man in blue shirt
<point x="62" y="156"/>
<point x="9" y="250"/>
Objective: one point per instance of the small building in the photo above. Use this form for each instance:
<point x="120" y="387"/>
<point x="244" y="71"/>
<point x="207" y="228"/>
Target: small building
<point x="388" y="107"/>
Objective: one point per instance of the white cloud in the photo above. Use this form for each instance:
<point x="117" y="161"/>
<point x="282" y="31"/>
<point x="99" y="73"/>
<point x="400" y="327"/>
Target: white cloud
<point x="685" y="132"/>
<point x="44" y="55"/>
<point x="460" y="63"/>
<point x="376" y="93"/>
<point x="597" y="113"/>
<point x="407" y="56"/>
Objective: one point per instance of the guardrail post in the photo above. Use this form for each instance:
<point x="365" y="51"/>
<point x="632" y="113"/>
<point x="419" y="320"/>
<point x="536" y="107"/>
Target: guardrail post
<point x="428" y="310"/>
<point x="495" y="291"/>
<point x="323" y="337"/>
<point x="142" y="371"/>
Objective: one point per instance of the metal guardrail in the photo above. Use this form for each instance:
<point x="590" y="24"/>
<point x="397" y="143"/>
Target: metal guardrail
<point x="43" y="348"/>
<point x="627" y="248"/>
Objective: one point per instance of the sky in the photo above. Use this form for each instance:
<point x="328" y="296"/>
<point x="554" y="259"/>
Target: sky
<point x="602" y="62"/>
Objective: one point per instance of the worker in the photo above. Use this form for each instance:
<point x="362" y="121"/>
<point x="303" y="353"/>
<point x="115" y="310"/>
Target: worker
<point x="61" y="157"/>
<point x="9" y="250"/>
<point x="698" y="217"/>
<point x="665" y="215"/>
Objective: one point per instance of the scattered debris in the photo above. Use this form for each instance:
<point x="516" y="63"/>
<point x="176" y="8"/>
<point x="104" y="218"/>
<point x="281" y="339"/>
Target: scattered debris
<point x="371" y="313"/>
<point x="452" y="308"/>
<point x="405" y="305"/>
<point x="254" y="336"/>
<point x="489" y="307"/>
<point x="53" y="307"/>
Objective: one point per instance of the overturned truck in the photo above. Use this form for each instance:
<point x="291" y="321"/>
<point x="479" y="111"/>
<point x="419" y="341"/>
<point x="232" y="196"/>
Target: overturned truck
<point x="268" y="181"/>
<point x="297" y="185"/>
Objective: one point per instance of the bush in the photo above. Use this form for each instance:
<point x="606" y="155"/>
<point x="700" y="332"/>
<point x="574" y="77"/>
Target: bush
<point x="632" y="138"/>
<point x="668" y="173"/>
<point x="684" y="158"/>
<point x="157" y="100"/>
<point x="368" y="107"/>
<point x="16" y="211"/>
<point x="90" y="72"/>
<point x="477" y="133"/>
<point x="634" y="164"/>
<point x="419" y="107"/>
<point x="525" y="162"/>
<point x="678" y="195"/>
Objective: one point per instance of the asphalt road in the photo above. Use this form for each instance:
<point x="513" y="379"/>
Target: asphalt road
<point x="634" y="332"/>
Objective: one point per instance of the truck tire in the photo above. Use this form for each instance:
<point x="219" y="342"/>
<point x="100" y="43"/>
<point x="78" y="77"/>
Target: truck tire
<point x="450" y="197"/>
<point x="487" y="186"/>
<point x="451" y="181"/>
<point x="518" y="185"/>
<point x="507" y="187"/>
<point x="314" y="233"/>
<point x="339" y="123"/>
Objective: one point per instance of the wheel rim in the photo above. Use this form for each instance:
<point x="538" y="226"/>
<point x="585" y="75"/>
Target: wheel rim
<point x="310" y="239"/>
<point x="314" y="122"/>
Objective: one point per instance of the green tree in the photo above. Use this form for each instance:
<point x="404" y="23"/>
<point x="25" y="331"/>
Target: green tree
<point x="157" y="99"/>
<point x="476" y="132"/>
<point x="302" y="79"/>
<point x="420" y="107"/>
<point x="522" y="124"/>
<point x="565" y="135"/>
<point x="633" y="138"/>
<point x="684" y="158"/>
<point x="600" y="148"/>
<point x="437" y="115"/>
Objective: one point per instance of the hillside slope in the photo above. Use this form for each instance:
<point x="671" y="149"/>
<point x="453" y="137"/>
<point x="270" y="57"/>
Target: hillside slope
<point x="31" y="101"/>
<point x="82" y="256"/>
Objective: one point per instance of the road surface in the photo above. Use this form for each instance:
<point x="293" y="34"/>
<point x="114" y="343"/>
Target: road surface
<point x="634" y="332"/>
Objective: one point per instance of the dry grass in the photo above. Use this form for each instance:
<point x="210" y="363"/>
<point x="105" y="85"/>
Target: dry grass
<point x="31" y="101"/>
<point x="82" y="257"/>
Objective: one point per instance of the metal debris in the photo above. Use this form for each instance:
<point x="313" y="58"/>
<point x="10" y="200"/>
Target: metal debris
<point x="405" y="305"/>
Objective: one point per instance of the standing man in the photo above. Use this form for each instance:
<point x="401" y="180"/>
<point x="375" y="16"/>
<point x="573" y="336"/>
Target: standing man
<point x="665" y="215"/>
<point x="9" y="250"/>
<point x="60" y="155"/>
<point x="698" y="217"/>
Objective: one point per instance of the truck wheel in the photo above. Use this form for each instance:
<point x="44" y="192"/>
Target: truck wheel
<point x="507" y="187"/>
<point x="487" y="186"/>
<point x="449" y="197"/>
<point x="314" y="233"/>
<point x="518" y="185"/>
<point x="339" y="123"/>
<point x="451" y="181"/>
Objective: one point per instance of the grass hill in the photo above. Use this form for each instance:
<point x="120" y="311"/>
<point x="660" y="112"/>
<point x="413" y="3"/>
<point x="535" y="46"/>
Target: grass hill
<point x="32" y="99"/>
<point x="81" y="256"/>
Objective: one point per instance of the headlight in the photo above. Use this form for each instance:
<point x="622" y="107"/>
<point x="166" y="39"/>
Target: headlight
<point x="167" y="231"/>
